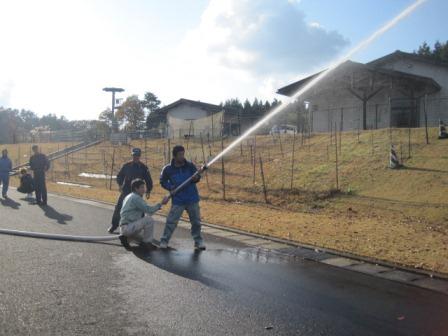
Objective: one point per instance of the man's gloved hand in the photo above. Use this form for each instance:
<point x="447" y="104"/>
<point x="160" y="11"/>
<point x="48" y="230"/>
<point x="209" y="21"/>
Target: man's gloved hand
<point x="172" y="191"/>
<point x="165" y="200"/>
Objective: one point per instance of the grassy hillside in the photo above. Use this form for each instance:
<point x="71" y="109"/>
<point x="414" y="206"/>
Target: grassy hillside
<point x="20" y="153"/>
<point x="395" y="215"/>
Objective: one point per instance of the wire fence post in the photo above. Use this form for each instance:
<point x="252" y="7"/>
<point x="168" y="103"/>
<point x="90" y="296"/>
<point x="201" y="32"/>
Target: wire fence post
<point x="292" y="159"/>
<point x="265" y="192"/>
<point x="358" y="129"/>
<point x="376" y="116"/>
<point x="52" y="171"/>
<point x="302" y="135"/>
<point x="251" y="155"/>
<point x="189" y="134"/>
<point x="146" y="151"/>
<point x="425" y="111"/>
<point x="103" y="153"/>
<point x="169" y="150"/>
<point x="390" y="119"/>
<point x="209" y="145"/>
<point x="112" y="169"/>
<point x="401" y="152"/>
<point x="331" y="133"/>
<point x="340" y="130"/>
<point x="273" y="139"/>
<point x="255" y="156"/>
<point x="204" y="161"/>
<point x="336" y="163"/>
<point x="67" y="166"/>
<point x="18" y="155"/>
<point x="281" y="145"/>
<point x="409" y="132"/>
<point x="223" y="172"/>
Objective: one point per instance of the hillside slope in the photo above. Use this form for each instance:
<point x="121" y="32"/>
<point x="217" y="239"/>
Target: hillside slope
<point x="394" y="215"/>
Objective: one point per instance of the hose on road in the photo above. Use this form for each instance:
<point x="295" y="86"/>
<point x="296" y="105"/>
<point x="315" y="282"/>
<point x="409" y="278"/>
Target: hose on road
<point x="58" y="236"/>
<point x="86" y="238"/>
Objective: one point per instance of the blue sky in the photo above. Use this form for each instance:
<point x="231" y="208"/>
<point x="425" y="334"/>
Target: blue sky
<point x="58" y="55"/>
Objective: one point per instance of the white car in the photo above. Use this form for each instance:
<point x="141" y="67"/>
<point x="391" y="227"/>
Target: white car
<point x="283" y="129"/>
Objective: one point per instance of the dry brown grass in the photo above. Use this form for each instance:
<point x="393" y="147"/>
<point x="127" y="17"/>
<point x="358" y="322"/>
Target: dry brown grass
<point x="399" y="216"/>
<point x="20" y="153"/>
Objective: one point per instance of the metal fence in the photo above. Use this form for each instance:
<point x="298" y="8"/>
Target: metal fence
<point x="395" y="113"/>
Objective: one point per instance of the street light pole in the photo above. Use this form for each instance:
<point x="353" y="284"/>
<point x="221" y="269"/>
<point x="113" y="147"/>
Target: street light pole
<point x="114" y="119"/>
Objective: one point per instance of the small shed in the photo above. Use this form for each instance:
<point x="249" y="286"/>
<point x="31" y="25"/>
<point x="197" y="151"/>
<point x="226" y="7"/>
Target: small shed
<point x="189" y="118"/>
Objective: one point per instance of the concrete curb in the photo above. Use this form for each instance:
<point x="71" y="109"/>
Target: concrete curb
<point x="381" y="269"/>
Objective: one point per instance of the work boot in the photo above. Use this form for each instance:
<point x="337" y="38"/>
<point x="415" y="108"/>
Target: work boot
<point x="112" y="229"/>
<point x="199" y="246"/>
<point x="124" y="242"/>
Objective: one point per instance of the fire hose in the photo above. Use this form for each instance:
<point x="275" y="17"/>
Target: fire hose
<point x="89" y="238"/>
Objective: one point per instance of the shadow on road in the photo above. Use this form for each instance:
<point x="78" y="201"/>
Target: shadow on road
<point x="185" y="264"/>
<point x="28" y="200"/>
<point x="52" y="213"/>
<point x="10" y="203"/>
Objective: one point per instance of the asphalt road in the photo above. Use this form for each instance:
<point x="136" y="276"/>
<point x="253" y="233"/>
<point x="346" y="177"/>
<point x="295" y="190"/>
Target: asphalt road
<point x="68" y="288"/>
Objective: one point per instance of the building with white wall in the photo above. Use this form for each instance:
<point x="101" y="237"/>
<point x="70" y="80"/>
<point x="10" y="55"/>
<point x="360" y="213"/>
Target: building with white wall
<point x="189" y="118"/>
<point x="397" y="90"/>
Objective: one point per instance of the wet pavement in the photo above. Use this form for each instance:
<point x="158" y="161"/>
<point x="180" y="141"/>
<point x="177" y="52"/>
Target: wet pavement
<point x="54" y="287"/>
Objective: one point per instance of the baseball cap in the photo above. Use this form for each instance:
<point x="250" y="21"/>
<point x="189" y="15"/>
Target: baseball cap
<point x="136" y="152"/>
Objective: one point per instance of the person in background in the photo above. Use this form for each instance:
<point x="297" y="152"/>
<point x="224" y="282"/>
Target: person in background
<point x="133" y="222"/>
<point x="5" y="169"/>
<point x="172" y="176"/>
<point x="39" y="164"/>
<point x="26" y="184"/>
<point x="130" y="171"/>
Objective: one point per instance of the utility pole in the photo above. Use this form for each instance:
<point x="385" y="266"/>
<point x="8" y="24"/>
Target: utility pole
<point x="114" y="119"/>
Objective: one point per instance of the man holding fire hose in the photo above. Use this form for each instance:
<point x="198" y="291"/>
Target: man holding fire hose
<point x="185" y="199"/>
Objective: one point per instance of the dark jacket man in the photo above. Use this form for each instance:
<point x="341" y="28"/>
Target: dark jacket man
<point x="39" y="164"/>
<point x="130" y="171"/>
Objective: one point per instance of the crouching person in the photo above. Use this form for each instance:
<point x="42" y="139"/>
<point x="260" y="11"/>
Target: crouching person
<point x="26" y="184"/>
<point x="134" y="225"/>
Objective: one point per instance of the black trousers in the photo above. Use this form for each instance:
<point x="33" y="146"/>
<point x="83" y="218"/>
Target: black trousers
<point x="40" y="187"/>
<point x="116" y="216"/>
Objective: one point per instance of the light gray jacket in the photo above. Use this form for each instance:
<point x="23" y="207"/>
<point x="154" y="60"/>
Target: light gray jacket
<point x="134" y="206"/>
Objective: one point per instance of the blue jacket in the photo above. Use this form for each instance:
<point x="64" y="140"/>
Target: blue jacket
<point x="172" y="176"/>
<point x="5" y="165"/>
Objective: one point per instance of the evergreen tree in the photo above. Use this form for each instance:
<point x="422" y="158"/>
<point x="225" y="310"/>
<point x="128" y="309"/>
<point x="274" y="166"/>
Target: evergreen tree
<point x="439" y="52"/>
